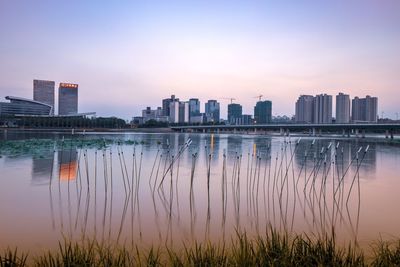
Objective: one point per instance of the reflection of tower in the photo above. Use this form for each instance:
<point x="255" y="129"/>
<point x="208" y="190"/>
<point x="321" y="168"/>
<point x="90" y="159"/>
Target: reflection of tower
<point x="235" y="144"/>
<point x="42" y="167"/>
<point x="67" y="162"/>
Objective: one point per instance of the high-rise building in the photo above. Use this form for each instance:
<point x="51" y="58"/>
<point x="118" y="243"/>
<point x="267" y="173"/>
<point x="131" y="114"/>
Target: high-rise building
<point x="305" y="109"/>
<point x="67" y="99"/>
<point x="364" y="109"/>
<point x="43" y="91"/>
<point x="183" y="112"/>
<point x="371" y="104"/>
<point x="234" y="113"/>
<point x="153" y="114"/>
<point x="342" y="108"/>
<point x="212" y="111"/>
<point x="323" y="108"/>
<point x="263" y="112"/>
<point x="173" y="112"/>
<point x="166" y="104"/>
<point x="194" y="108"/>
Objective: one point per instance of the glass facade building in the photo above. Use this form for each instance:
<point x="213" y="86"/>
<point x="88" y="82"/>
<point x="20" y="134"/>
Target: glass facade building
<point x="234" y="113"/>
<point x="212" y="111"/>
<point x="67" y="99"/>
<point x="263" y="112"/>
<point x="43" y="91"/>
<point x="21" y="106"/>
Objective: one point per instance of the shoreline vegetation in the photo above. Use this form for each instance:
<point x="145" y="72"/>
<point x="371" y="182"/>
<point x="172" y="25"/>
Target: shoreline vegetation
<point x="273" y="249"/>
<point x="376" y="136"/>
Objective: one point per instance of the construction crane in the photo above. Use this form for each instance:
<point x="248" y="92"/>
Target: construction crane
<point x="259" y="97"/>
<point x="229" y="98"/>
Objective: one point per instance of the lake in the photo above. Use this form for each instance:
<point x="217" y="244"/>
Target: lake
<point x="171" y="188"/>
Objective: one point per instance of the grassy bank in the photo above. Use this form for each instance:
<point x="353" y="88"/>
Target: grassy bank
<point x="274" y="249"/>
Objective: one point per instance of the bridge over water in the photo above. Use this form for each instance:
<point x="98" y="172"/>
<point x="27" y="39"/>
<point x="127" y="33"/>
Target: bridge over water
<point x="356" y="129"/>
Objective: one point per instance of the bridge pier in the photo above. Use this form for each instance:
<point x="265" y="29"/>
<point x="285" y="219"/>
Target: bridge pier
<point x="387" y="134"/>
<point x="281" y="131"/>
<point x="309" y="132"/>
<point x="255" y="130"/>
<point x="320" y="132"/>
<point x="343" y="133"/>
<point x="363" y="133"/>
<point x="357" y="132"/>
<point x="313" y="131"/>
<point x="287" y="132"/>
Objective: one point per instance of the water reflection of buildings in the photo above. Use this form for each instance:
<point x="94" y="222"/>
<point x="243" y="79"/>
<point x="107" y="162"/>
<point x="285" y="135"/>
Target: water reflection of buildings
<point x="42" y="167"/>
<point x="368" y="163"/>
<point x="345" y="154"/>
<point x="68" y="165"/>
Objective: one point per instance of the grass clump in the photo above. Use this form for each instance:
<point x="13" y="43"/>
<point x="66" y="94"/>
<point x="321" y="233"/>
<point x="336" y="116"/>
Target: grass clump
<point x="273" y="249"/>
<point x="11" y="258"/>
<point x="387" y="254"/>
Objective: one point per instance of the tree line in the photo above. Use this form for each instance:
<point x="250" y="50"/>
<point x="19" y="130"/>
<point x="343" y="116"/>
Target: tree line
<point x="64" y="122"/>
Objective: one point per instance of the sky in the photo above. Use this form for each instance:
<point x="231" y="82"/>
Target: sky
<point x="127" y="55"/>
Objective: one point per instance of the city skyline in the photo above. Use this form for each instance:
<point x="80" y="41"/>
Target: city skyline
<point x="128" y="54"/>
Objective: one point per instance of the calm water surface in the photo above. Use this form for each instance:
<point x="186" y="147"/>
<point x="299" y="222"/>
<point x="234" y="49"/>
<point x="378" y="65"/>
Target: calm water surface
<point x="165" y="189"/>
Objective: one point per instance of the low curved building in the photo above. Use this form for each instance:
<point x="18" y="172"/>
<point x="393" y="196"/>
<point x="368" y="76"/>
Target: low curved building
<point x="21" y="106"/>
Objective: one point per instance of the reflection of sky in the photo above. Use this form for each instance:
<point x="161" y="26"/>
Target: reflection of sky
<point x="205" y="49"/>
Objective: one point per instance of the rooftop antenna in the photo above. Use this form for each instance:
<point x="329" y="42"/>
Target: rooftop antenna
<point x="229" y="98"/>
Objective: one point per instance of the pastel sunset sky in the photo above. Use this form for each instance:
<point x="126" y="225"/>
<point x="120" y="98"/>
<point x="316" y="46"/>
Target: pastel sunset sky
<point x="126" y="55"/>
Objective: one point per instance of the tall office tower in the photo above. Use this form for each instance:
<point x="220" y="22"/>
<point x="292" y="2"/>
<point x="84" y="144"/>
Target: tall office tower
<point x="174" y="112"/>
<point x="342" y="108"/>
<point x="305" y="109"/>
<point x="235" y="113"/>
<point x="364" y="109"/>
<point x="194" y="107"/>
<point x="67" y="99"/>
<point x="263" y="112"/>
<point x="183" y="112"/>
<point x="323" y="108"/>
<point x="212" y="111"/>
<point x="166" y="104"/>
<point x="371" y="104"/>
<point x="43" y="91"/>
